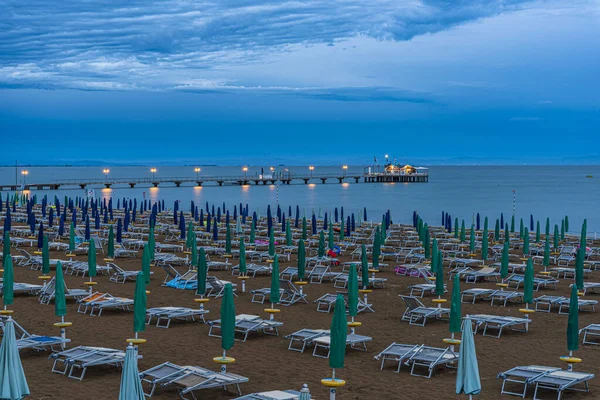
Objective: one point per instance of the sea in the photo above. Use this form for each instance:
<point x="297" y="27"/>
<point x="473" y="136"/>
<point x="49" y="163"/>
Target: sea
<point x="462" y="191"/>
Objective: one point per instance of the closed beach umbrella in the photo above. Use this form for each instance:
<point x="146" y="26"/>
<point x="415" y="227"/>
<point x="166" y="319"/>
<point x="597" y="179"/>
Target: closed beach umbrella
<point x="434" y="255"/>
<point x="504" y="261"/>
<point x="151" y="243"/>
<point x="119" y="230"/>
<point x="194" y="252"/>
<point x="478" y="221"/>
<point x="314" y="224"/>
<point x="338" y="333"/>
<point x="583" y="237"/>
<point x="45" y="257"/>
<point x="484" y="244"/>
<point x="304" y="229"/>
<point x="439" y="275"/>
<point x="202" y="271"/>
<point x="580" y="256"/>
<point x="139" y="304"/>
<point x="376" y="249"/>
<point x="60" y="301"/>
<point x="40" y="239"/>
<point x="521" y="226"/>
<point x="512" y="224"/>
<point x="228" y="240"/>
<point x="274" y="295"/>
<point x="288" y="234"/>
<point x="455" y="306"/>
<point x="131" y="385"/>
<point x="8" y="282"/>
<point x="92" y="259"/>
<point x="301" y="260"/>
<point x="342" y="231"/>
<point x="252" y="231"/>
<point x="110" y="248"/>
<point x="364" y="267"/>
<point x="238" y="226"/>
<point x="190" y="235"/>
<point x="215" y="231"/>
<point x="5" y="248"/>
<point x="546" y="260"/>
<point x="352" y="292"/>
<point x="562" y="230"/>
<point x="242" y="257"/>
<point x="146" y="264"/>
<point x="472" y="240"/>
<point x="330" y="240"/>
<point x="13" y="384"/>
<point x="271" y="244"/>
<point x="227" y="319"/>
<point x="506" y="234"/>
<point x="547" y="226"/>
<point x="456" y="228"/>
<point x="321" y="251"/>
<point x="537" y="232"/>
<point x="556" y="237"/>
<point x="528" y="284"/>
<point x="573" y="322"/>
<point x="71" y="238"/>
<point x="497" y="231"/>
<point x="567" y="223"/>
<point x="467" y="375"/>
<point x="525" y="241"/>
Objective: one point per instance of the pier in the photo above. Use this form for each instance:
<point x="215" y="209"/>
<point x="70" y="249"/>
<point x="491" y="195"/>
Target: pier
<point x="283" y="178"/>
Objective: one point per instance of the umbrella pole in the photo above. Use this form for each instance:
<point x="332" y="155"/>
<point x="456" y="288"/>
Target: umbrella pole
<point x="332" y="390"/>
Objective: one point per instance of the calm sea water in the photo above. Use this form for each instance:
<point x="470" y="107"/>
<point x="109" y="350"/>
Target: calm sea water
<point x="552" y="191"/>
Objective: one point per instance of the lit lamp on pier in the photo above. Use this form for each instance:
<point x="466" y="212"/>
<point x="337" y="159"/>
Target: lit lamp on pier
<point x="106" y="172"/>
<point x="345" y="168"/>
<point x="245" y="169"/>
<point x="153" y="170"/>
<point x="311" y="168"/>
<point x="24" y="173"/>
<point x="197" y="171"/>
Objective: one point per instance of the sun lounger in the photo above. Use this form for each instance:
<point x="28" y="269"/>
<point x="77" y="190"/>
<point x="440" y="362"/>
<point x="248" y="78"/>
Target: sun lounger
<point x="187" y="379"/>
<point x="326" y="302"/>
<point x="26" y="340"/>
<point x="217" y="286"/>
<point x="253" y="270"/>
<point x="517" y="280"/>
<point x="592" y="330"/>
<point x="417" y="314"/>
<point x="23" y="288"/>
<point x="246" y="324"/>
<point x="560" y="381"/>
<point x="320" y="273"/>
<point x="546" y="302"/>
<point x="97" y="302"/>
<point x="289" y="294"/>
<point x="522" y="376"/>
<point x="188" y="280"/>
<point x="430" y="358"/>
<point x="396" y="352"/>
<point x="583" y="304"/>
<point x="119" y="275"/>
<point x="471" y="295"/>
<point x="47" y="292"/>
<point x="498" y="323"/>
<point x="485" y="273"/>
<point x="568" y="272"/>
<point x="304" y="338"/>
<point x="289" y="273"/>
<point x="590" y="286"/>
<point x="272" y="395"/>
<point x="164" y="315"/>
<point x="77" y="360"/>
<point x="504" y="296"/>
<point x="323" y="344"/>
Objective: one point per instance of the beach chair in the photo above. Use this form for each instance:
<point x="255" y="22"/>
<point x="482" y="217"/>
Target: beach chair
<point x="583" y="305"/>
<point x="417" y="314"/>
<point x="98" y="302"/>
<point x="592" y="330"/>
<point x="504" y="296"/>
<point x="565" y="259"/>
<point x="23" y="288"/>
<point x="546" y="302"/>
<point x="189" y="379"/>
<point x="260" y="295"/>
<point x="291" y="293"/>
<point x="516" y="280"/>
<point x="47" y="292"/>
<point x="420" y="289"/>
<point x="471" y="295"/>
<point x="289" y="273"/>
<point x="119" y="275"/>
<point x="164" y="315"/>
<point x="590" y="286"/>
<point x="485" y="274"/>
<point x="77" y="360"/>
<point x="430" y="358"/>
<point x="323" y="344"/>
<point x="217" y="286"/>
<point x="272" y="395"/>
<point x="26" y="340"/>
<point x="560" y="381"/>
<point x="522" y="376"/>
<point x="304" y="338"/>
<point x="320" y="273"/>
<point x="498" y="323"/>
<point x="396" y="352"/>
<point x="246" y="324"/>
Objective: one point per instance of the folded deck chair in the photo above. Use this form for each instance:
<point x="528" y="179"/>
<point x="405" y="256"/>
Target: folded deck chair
<point x="545" y="303"/>
<point x="560" y="381"/>
<point x="260" y="295"/>
<point x="592" y="330"/>
<point x="304" y="338"/>
<point x="522" y="376"/>
<point x="417" y="314"/>
<point x="289" y="273"/>
<point x="164" y="315"/>
<point x="471" y="295"/>
<point x="188" y="280"/>
<point x="119" y="275"/>
<point x="291" y="293"/>
<point x="246" y="324"/>
<point x="430" y="358"/>
<point x="396" y="352"/>
<point x="77" y="360"/>
<point x="217" y="286"/>
<point x="153" y="377"/>
<point x="504" y="296"/>
<point x="498" y="323"/>
<point x="272" y="395"/>
<point x="323" y="344"/>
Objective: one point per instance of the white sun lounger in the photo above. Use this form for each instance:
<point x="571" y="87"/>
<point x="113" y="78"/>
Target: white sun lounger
<point x="430" y="358"/>
<point x="304" y="338"/>
<point x="504" y="296"/>
<point x="471" y="295"/>
<point x="164" y="315"/>
<point x="272" y="395"/>
<point x="97" y="302"/>
<point x="26" y="340"/>
<point x="82" y="357"/>
<point x="517" y="280"/>
<point x="583" y="304"/>
<point x="23" y="288"/>
<point x="396" y="352"/>
<point x="253" y="270"/>
<point x="560" y="381"/>
<point x="246" y="324"/>
<point x="522" y="376"/>
<point x="417" y="314"/>
<point x="47" y="292"/>
<point x="323" y="344"/>
<point x="592" y="330"/>
<point x="498" y="323"/>
<point x="119" y="275"/>
<point x="545" y="302"/>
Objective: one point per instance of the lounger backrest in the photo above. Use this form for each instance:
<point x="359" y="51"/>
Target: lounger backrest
<point x="115" y="268"/>
<point x="412" y="302"/>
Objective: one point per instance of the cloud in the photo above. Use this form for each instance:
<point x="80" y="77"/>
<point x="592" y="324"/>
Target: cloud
<point x="157" y="45"/>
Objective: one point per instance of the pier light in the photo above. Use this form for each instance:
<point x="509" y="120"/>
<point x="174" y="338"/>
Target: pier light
<point x="272" y="169"/>
<point x="24" y="173"/>
<point x="311" y="168"/>
<point x="197" y="171"/>
<point x="344" y="167"/>
<point x="153" y="170"/>
<point x="245" y="169"/>
<point x="106" y="171"/>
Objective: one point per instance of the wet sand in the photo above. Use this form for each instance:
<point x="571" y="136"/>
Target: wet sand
<point x="266" y="361"/>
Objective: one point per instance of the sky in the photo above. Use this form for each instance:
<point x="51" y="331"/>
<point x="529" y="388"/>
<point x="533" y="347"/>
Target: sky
<point x="300" y="82"/>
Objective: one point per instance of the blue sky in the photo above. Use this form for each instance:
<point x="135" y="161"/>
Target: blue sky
<point x="234" y="82"/>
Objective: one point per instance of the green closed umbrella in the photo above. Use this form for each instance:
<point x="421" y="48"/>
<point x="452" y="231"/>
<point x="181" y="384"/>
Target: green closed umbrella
<point x="202" y="271"/>
<point x="92" y="260"/>
<point x="227" y="319"/>
<point x="383" y="229"/>
<point x="146" y="264"/>
<point x="288" y="233"/>
<point x="243" y="270"/>
<point x="497" y="231"/>
<point x="194" y="247"/>
<point x="228" y="240"/>
<point x="455" y="307"/>
<point x="376" y="249"/>
<point x="364" y="267"/>
<point x="566" y="223"/>
<point x="528" y="284"/>
<point x="252" y="232"/>
<point x="151" y="243"/>
<point x="434" y="255"/>
<point x="71" y="238"/>
<point x="427" y="242"/>
<point x="321" y="251"/>
<point x="301" y="261"/>
<point x="504" y="261"/>
<point x="512" y="224"/>
<point x="521" y="228"/>
<point x="439" y="275"/>
<point x="573" y="322"/>
<point x="110" y="252"/>
<point x="484" y="244"/>
<point x="13" y="383"/>
<point x="304" y="229"/>
<point x="546" y="260"/>
<point x="342" y="230"/>
<point x="556" y="237"/>
<point x="45" y="257"/>
<point x="330" y="240"/>
<point x="583" y="239"/>
<point x="506" y="234"/>
<point x="353" y="292"/>
<point x="580" y="256"/>
<point x="8" y="282"/>
<point x="238" y="226"/>
<point x="139" y="304"/>
<point x="60" y="301"/>
<point x="456" y="232"/>
<point x="275" y="295"/>
<point x="190" y="235"/>
<point x="338" y="333"/>
<point x="562" y="230"/>
<point x="525" y="241"/>
<point x="537" y="232"/>
<point x="6" y="248"/>
<point x="271" y="243"/>
<point x="463" y="236"/>
<point x="547" y="226"/>
<point x="472" y="240"/>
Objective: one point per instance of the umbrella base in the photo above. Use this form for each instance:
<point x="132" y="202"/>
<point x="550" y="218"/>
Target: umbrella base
<point x="224" y="360"/>
<point x="6" y="312"/>
<point x="136" y="341"/>
<point x="63" y="324"/>
<point x="333" y="382"/>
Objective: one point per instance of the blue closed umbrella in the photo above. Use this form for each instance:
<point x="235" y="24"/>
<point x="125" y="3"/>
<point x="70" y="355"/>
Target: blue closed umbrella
<point x="131" y="386"/>
<point x="467" y="375"/>
<point x="13" y="384"/>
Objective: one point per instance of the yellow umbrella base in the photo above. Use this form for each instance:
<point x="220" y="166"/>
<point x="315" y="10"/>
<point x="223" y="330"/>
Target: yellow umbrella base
<point x="333" y="382"/>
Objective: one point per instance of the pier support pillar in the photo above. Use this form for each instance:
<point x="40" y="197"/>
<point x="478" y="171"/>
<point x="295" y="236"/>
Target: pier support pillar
<point x="341" y="180"/>
<point x="131" y="185"/>
<point x="199" y="183"/>
<point x="220" y="183"/>
<point x="82" y="185"/>
<point x="155" y="184"/>
<point x="305" y="181"/>
<point x="108" y="185"/>
<point x="323" y="180"/>
<point x="177" y="183"/>
<point x="357" y="179"/>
